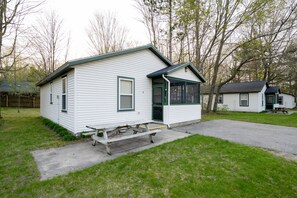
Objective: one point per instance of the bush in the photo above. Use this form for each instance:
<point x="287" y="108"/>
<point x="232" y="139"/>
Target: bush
<point x="61" y="131"/>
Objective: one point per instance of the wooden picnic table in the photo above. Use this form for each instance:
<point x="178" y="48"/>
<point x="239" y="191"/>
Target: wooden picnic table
<point x="113" y="132"/>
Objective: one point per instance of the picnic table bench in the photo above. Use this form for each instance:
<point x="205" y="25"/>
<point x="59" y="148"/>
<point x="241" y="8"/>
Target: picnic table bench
<point x="282" y="109"/>
<point x="116" y="132"/>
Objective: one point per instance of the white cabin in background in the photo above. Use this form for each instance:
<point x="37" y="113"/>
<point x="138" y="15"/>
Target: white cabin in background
<point x="127" y="85"/>
<point x="255" y="96"/>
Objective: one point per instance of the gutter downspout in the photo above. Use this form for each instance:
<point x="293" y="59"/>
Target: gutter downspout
<point x="168" y="99"/>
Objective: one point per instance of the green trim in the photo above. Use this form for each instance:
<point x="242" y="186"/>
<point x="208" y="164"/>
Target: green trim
<point x="248" y="102"/>
<point x="69" y="64"/>
<point x="184" y="104"/>
<point x="181" y="79"/>
<point x="118" y="94"/>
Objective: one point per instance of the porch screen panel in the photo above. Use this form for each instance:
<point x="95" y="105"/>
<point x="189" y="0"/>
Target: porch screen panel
<point x="184" y="92"/>
<point x="192" y="93"/>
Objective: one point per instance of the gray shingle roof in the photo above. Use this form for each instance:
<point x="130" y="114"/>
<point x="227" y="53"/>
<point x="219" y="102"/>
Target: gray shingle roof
<point x="242" y="87"/>
<point x="272" y="90"/>
<point x="20" y="86"/>
<point x="173" y="68"/>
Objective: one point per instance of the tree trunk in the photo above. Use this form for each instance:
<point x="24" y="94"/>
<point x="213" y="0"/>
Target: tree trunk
<point x="170" y="30"/>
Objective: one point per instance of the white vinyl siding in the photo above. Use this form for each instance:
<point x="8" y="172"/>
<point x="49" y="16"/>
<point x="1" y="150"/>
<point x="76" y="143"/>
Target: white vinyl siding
<point x="53" y="111"/>
<point x="185" y="74"/>
<point x="96" y="88"/>
<point x="181" y="113"/>
<point x="288" y="101"/>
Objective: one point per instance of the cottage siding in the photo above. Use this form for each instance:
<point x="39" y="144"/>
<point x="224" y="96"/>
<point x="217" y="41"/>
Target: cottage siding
<point x="288" y="101"/>
<point x="53" y="111"/>
<point x="181" y="113"/>
<point x="259" y="100"/>
<point x="96" y="88"/>
<point x="232" y="102"/>
<point x="181" y="73"/>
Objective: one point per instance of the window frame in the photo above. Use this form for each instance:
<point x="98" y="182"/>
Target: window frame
<point x="248" y="99"/>
<point x="64" y="94"/>
<point x="222" y="101"/>
<point x="51" y="93"/>
<point x="282" y="100"/>
<point x="119" y="78"/>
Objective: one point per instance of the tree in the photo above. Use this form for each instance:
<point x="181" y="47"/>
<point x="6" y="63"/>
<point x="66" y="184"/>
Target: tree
<point x="105" y="34"/>
<point x="12" y="15"/>
<point x="49" y="42"/>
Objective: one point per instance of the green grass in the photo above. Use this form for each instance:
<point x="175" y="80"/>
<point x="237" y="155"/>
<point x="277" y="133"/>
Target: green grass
<point x="196" y="166"/>
<point x="264" y="118"/>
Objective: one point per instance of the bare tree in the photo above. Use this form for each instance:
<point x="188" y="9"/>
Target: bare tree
<point x="12" y="15"/>
<point x="105" y="34"/>
<point x="49" y="42"/>
<point x="150" y="19"/>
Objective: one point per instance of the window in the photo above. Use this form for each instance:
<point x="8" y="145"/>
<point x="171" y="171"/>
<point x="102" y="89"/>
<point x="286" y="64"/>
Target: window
<point x="64" y="94"/>
<point x="262" y="100"/>
<point x="280" y="100"/>
<point x="126" y="94"/>
<point x="51" y="93"/>
<point x="220" y="99"/>
<point x="184" y="92"/>
<point x="244" y="100"/>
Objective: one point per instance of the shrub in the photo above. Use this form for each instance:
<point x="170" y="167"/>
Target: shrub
<point x="61" y="131"/>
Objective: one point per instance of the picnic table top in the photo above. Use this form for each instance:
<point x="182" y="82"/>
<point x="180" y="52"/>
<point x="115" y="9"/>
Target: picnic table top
<point x="119" y="124"/>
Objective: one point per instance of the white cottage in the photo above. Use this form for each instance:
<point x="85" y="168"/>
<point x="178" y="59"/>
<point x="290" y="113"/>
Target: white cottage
<point x="244" y="96"/>
<point x="127" y="85"/>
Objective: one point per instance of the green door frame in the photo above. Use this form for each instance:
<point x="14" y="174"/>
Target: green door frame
<point x="163" y="100"/>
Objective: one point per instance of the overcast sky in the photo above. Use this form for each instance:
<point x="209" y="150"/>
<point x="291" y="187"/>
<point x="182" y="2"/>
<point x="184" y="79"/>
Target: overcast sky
<point x="77" y="13"/>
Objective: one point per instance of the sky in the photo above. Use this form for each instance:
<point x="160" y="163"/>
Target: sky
<point x="77" y="13"/>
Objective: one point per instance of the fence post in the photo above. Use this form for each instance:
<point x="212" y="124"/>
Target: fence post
<point x="6" y="100"/>
<point x="33" y="100"/>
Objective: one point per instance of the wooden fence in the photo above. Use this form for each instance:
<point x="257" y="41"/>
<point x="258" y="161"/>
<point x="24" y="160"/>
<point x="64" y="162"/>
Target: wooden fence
<point x="25" y="101"/>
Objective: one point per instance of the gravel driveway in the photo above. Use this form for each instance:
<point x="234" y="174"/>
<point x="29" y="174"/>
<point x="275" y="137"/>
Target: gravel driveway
<point x="278" y="138"/>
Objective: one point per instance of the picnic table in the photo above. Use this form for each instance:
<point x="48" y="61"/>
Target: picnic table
<point x="113" y="132"/>
<point x="281" y="109"/>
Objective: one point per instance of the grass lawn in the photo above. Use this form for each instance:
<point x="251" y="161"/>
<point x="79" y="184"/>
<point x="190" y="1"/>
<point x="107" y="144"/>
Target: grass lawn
<point x="196" y="166"/>
<point x="275" y="119"/>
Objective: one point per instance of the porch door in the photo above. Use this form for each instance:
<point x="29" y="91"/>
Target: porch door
<point x="158" y="95"/>
<point x="269" y="101"/>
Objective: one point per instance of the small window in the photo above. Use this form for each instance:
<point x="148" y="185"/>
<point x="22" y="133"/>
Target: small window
<point x="64" y="93"/>
<point x="280" y="100"/>
<point x="125" y="94"/>
<point x="220" y="99"/>
<point x="244" y="100"/>
<point x="262" y="100"/>
<point x="51" y="93"/>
